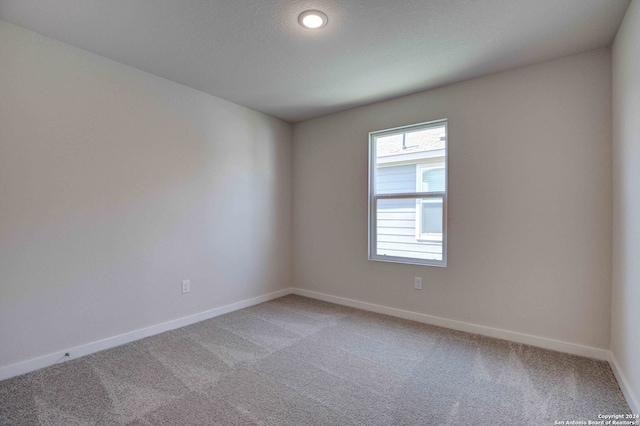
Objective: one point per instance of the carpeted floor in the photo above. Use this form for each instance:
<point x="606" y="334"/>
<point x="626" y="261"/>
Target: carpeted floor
<point x="298" y="361"/>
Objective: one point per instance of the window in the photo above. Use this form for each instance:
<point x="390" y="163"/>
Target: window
<point x="408" y="194"/>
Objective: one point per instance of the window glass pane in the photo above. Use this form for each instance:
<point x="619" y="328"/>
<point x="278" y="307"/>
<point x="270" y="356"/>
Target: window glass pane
<point x="397" y="230"/>
<point x="405" y="226"/>
<point x="397" y="155"/>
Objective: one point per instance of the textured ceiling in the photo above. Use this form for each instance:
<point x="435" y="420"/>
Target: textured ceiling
<point x="254" y="53"/>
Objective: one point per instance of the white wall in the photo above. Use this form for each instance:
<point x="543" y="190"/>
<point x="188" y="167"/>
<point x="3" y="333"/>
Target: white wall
<point x="625" y="335"/>
<point x="115" y="185"/>
<point x="529" y="205"/>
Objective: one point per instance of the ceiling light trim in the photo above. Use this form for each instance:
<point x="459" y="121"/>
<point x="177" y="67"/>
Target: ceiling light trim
<point x="313" y="19"/>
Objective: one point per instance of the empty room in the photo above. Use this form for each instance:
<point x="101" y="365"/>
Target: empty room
<point x="301" y="212"/>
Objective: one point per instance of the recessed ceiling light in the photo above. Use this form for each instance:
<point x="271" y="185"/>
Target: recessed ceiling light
<point x="312" y="19"/>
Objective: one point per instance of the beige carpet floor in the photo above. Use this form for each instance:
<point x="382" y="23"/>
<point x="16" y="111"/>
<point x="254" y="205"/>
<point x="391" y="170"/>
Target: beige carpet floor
<point x="298" y="361"/>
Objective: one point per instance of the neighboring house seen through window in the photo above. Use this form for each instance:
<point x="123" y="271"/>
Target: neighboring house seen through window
<point x="429" y="212"/>
<point x="408" y="194"/>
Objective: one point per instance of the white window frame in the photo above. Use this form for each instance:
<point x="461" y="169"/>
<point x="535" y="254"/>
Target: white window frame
<point x="373" y="197"/>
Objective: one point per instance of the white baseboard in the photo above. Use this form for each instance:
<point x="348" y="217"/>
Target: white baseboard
<point x="542" y="342"/>
<point x="627" y="391"/>
<point x="111" y="342"/>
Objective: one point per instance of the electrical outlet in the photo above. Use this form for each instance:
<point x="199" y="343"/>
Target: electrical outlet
<point x="418" y="283"/>
<point x="186" y="286"/>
